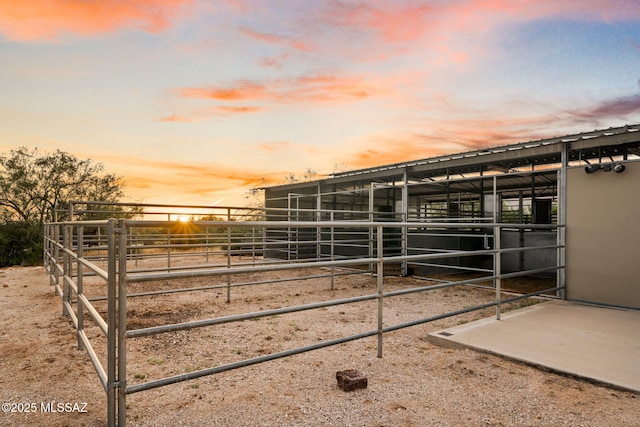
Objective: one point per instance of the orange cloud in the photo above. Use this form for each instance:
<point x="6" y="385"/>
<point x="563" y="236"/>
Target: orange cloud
<point x="203" y="114"/>
<point x="331" y="88"/>
<point x="450" y="137"/>
<point x="147" y="179"/>
<point x="380" y="150"/>
<point x="227" y="110"/>
<point x="243" y="90"/>
<point x="321" y="88"/>
<point x="174" y="118"/>
<point x="48" y="19"/>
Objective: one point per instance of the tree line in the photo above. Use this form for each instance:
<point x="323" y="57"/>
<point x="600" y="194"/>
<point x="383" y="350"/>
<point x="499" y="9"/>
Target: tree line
<point x="36" y="187"/>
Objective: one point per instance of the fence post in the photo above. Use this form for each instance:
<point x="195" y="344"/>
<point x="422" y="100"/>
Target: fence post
<point x="79" y="268"/>
<point x="48" y="244"/>
<point x="371" y="218"/>
<point x="253" y="245"/>
<point x="45" y="242"/>
<point x="111" y="322"/>
<point x="228" y="254"/>
<point x="380" y="280"/>
<point x="66" y="274"/>
<point x="206" y="243"/>
<point x="169" y="244"/>
<point x="56" y="257"/>
<point x="332" y="244"/>
<point x="122" y="323"/>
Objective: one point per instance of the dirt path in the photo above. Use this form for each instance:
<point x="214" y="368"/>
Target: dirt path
<point x="414" y="384"/>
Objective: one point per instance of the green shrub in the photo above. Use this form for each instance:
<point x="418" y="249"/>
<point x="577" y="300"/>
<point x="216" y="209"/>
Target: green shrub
<point x="20" y="244"/>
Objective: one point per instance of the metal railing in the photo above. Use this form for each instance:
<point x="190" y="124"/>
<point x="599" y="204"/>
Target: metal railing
<point x="114" y="254"/>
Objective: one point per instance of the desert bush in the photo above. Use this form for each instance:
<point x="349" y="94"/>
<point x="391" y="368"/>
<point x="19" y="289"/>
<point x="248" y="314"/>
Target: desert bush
<point x="20" y="243"/>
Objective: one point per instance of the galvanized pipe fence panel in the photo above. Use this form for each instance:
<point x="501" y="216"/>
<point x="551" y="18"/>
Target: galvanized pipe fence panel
<point x="111" y="251"/>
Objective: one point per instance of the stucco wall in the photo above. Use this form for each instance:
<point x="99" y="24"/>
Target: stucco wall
<point x="603" y="236"/>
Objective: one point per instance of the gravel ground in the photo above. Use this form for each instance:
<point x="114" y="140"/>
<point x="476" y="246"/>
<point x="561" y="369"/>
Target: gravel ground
<point x="414" y="384"/>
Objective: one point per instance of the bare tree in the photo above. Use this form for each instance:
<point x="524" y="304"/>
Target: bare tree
<point x="309" y="175"/>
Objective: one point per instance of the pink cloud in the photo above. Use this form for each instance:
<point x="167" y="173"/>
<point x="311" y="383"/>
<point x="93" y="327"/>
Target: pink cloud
<point x="272" y="147"/>
<point x="394" y="22"/>
<point x="48" y="19"/>
<point x="595" y="10"/>
<point x="397" y="22"/>
<point x="619" y="107"/>
<point x="276" y="39"/>
<point x="471" y="131"/>
<point x="276" y="61"/>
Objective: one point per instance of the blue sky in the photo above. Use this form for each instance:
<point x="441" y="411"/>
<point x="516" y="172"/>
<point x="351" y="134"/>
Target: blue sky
<point x="198" y="101"/>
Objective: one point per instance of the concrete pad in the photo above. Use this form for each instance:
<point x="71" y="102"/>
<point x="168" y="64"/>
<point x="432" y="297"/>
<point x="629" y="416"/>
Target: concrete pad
<point x="597" y="343"/>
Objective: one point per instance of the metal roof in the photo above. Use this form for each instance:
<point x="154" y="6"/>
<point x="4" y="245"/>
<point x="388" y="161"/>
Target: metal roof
<point x="582" y="146"/>
<point x="514" y="151"/>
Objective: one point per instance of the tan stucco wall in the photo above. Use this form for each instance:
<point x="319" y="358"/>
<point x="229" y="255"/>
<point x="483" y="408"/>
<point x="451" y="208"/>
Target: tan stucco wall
<point x="603" y="236"/>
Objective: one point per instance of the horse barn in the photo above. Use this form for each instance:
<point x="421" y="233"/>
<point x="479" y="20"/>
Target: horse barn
<point x="578" y="193"/>
<point x="542" y="232"/>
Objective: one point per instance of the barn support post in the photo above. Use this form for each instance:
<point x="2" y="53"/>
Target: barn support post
<point x="405" y="218"/>
<point x="497" y="269"/>
<point x="380" y="282"/>
<point x="497" y="262"/>
<point x="561" y="221"/>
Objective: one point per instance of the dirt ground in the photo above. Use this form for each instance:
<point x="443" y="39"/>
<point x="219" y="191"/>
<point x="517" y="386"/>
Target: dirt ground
<point x="414" y="384"/>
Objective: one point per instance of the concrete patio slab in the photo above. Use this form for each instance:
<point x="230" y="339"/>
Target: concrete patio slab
<point x="600" y="344"/>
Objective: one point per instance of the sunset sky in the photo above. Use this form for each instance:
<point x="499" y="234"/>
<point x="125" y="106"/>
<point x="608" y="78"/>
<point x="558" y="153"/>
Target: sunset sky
<point x="195" y="101"/>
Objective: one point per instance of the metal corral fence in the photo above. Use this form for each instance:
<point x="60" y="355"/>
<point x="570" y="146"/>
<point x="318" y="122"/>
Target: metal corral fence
<point x="112" y="252"/>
